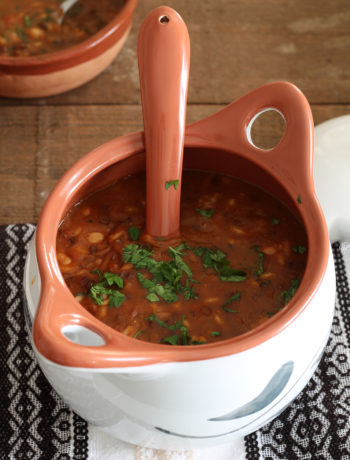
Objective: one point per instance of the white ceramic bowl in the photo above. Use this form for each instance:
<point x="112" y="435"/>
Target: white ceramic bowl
<point x="180" y="397"/>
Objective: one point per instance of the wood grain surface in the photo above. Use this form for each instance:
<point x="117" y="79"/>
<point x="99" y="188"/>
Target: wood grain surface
<point x="236" y="46"/>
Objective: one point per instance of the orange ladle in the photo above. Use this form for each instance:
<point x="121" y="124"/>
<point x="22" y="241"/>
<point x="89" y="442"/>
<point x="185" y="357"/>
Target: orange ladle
<point x="163" y="57"/>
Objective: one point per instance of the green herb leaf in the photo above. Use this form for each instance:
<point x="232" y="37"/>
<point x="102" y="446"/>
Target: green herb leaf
<point x="299" y="249"/>
<point x="275" y="221"/>
<point x="167" y="276"/>
<point x="27" y="21"/>
<point x="184" y="335"/>
<point x="215" y="333"/>
<point x="145" y="282"/>
<point x="260" y="265"/>
<point x="171" y="339"/>
<point x="179" y="262"/>
<point x="206" y="212"/>
<point x="101" y="290"/>
<point x="116" y="298"/>
<point x="152" y="297"/>
<point x="113" y="278"/>
<point x="97" y="293"/>
<point x="97" y="272"/>
<point x="234" y="298"/>
<point x="171" y="183"/>
<point x="231" y="275"/>
<point x="177" y="324"/>
<point x="137" y="256"/>
<point x="172" y="327"/>
<point x="153" y="317"/>
<point x="299" y="199"/>
<point x="134" y="233"/>
<point x="189" y="292"/>
<point x="288" y="294"/>
<point x="229" y="310"/>
<point x="137" y="333"/>
<point x="198" y="342"/>
<point x="169" y="295"/>
<point x="22" y="35"/>
<point x="216" y="259"/>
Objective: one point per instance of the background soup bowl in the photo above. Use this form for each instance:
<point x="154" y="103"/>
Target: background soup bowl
<point x="57" y="72"/>
<point x="172" y="396"/>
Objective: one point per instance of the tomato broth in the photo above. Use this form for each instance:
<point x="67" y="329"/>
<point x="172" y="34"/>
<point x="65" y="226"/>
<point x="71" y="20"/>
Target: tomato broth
<point x="238" y="260"/>
<point x="31" y="27"/>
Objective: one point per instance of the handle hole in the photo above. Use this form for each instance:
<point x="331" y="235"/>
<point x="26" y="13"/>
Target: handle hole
<point x="164" y="19"/>
<point x="82" y="336"/>
<point x="266" y="129"/>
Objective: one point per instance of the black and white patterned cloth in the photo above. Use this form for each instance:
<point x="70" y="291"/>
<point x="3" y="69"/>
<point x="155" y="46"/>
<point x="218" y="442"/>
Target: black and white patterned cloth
<point x="36" y="424"/>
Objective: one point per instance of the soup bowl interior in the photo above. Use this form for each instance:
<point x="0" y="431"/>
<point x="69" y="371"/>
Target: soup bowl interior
<point x="58" y="309"/>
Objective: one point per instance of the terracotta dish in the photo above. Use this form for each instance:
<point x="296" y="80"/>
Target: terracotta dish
<point x="60" y="71"/>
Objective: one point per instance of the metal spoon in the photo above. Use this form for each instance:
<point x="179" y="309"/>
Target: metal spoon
<point x="64" y="7"/>
<point x="164" y="56"/>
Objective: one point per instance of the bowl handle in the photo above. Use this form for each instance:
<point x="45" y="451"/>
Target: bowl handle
<point x="68" y="335"/>
<point x="292" y="159"/>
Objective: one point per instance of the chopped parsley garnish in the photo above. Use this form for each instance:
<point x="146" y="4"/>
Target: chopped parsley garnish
<point x="216" y="259"/>
<point x="102" y="290"/>
<point x="167" y="281"/>
<point x="215" y="333"/>
<point x="177" y="255"/>
<point x="157" y="290"/>
<point x="113" y="278"/>
<point x="270" y="314"/>
<point x="134" y="233"/>
<point x="22" y="35"/>
<point x="137" y="333"/>
<point x="289" y="293"/>
<point x="189" y="292"/>
<point x="152" y="297"/>
<point x="171" y="339"/>
<point x="275" y="221"/>
<point x="206" y="212"/>
<point x="138" y="256"/>
<point x="260" y="265"/>
<point x="27" y="21"/>
<point x="299" y="199"/>
<point x="234" y="298"/>
<point x="171" y="183"/>
<point x="177" y="326"/>
<point x="299" y="249"/>
<point x="116" y="298"/>
<point x="161" y="323"/>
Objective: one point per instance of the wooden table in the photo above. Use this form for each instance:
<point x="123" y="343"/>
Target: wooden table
<point x="236" y="45"/>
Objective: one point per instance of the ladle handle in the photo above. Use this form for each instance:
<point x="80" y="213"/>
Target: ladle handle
<point x="163" y="54"/>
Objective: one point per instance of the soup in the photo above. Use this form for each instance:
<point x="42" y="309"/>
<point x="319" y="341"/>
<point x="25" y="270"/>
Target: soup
<point x="30" y="27"/>
<point x="238" y="260"/>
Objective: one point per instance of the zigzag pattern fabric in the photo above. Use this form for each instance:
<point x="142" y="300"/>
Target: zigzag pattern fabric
<point x="317" y="424"/>
<point x="36" y="424"/>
